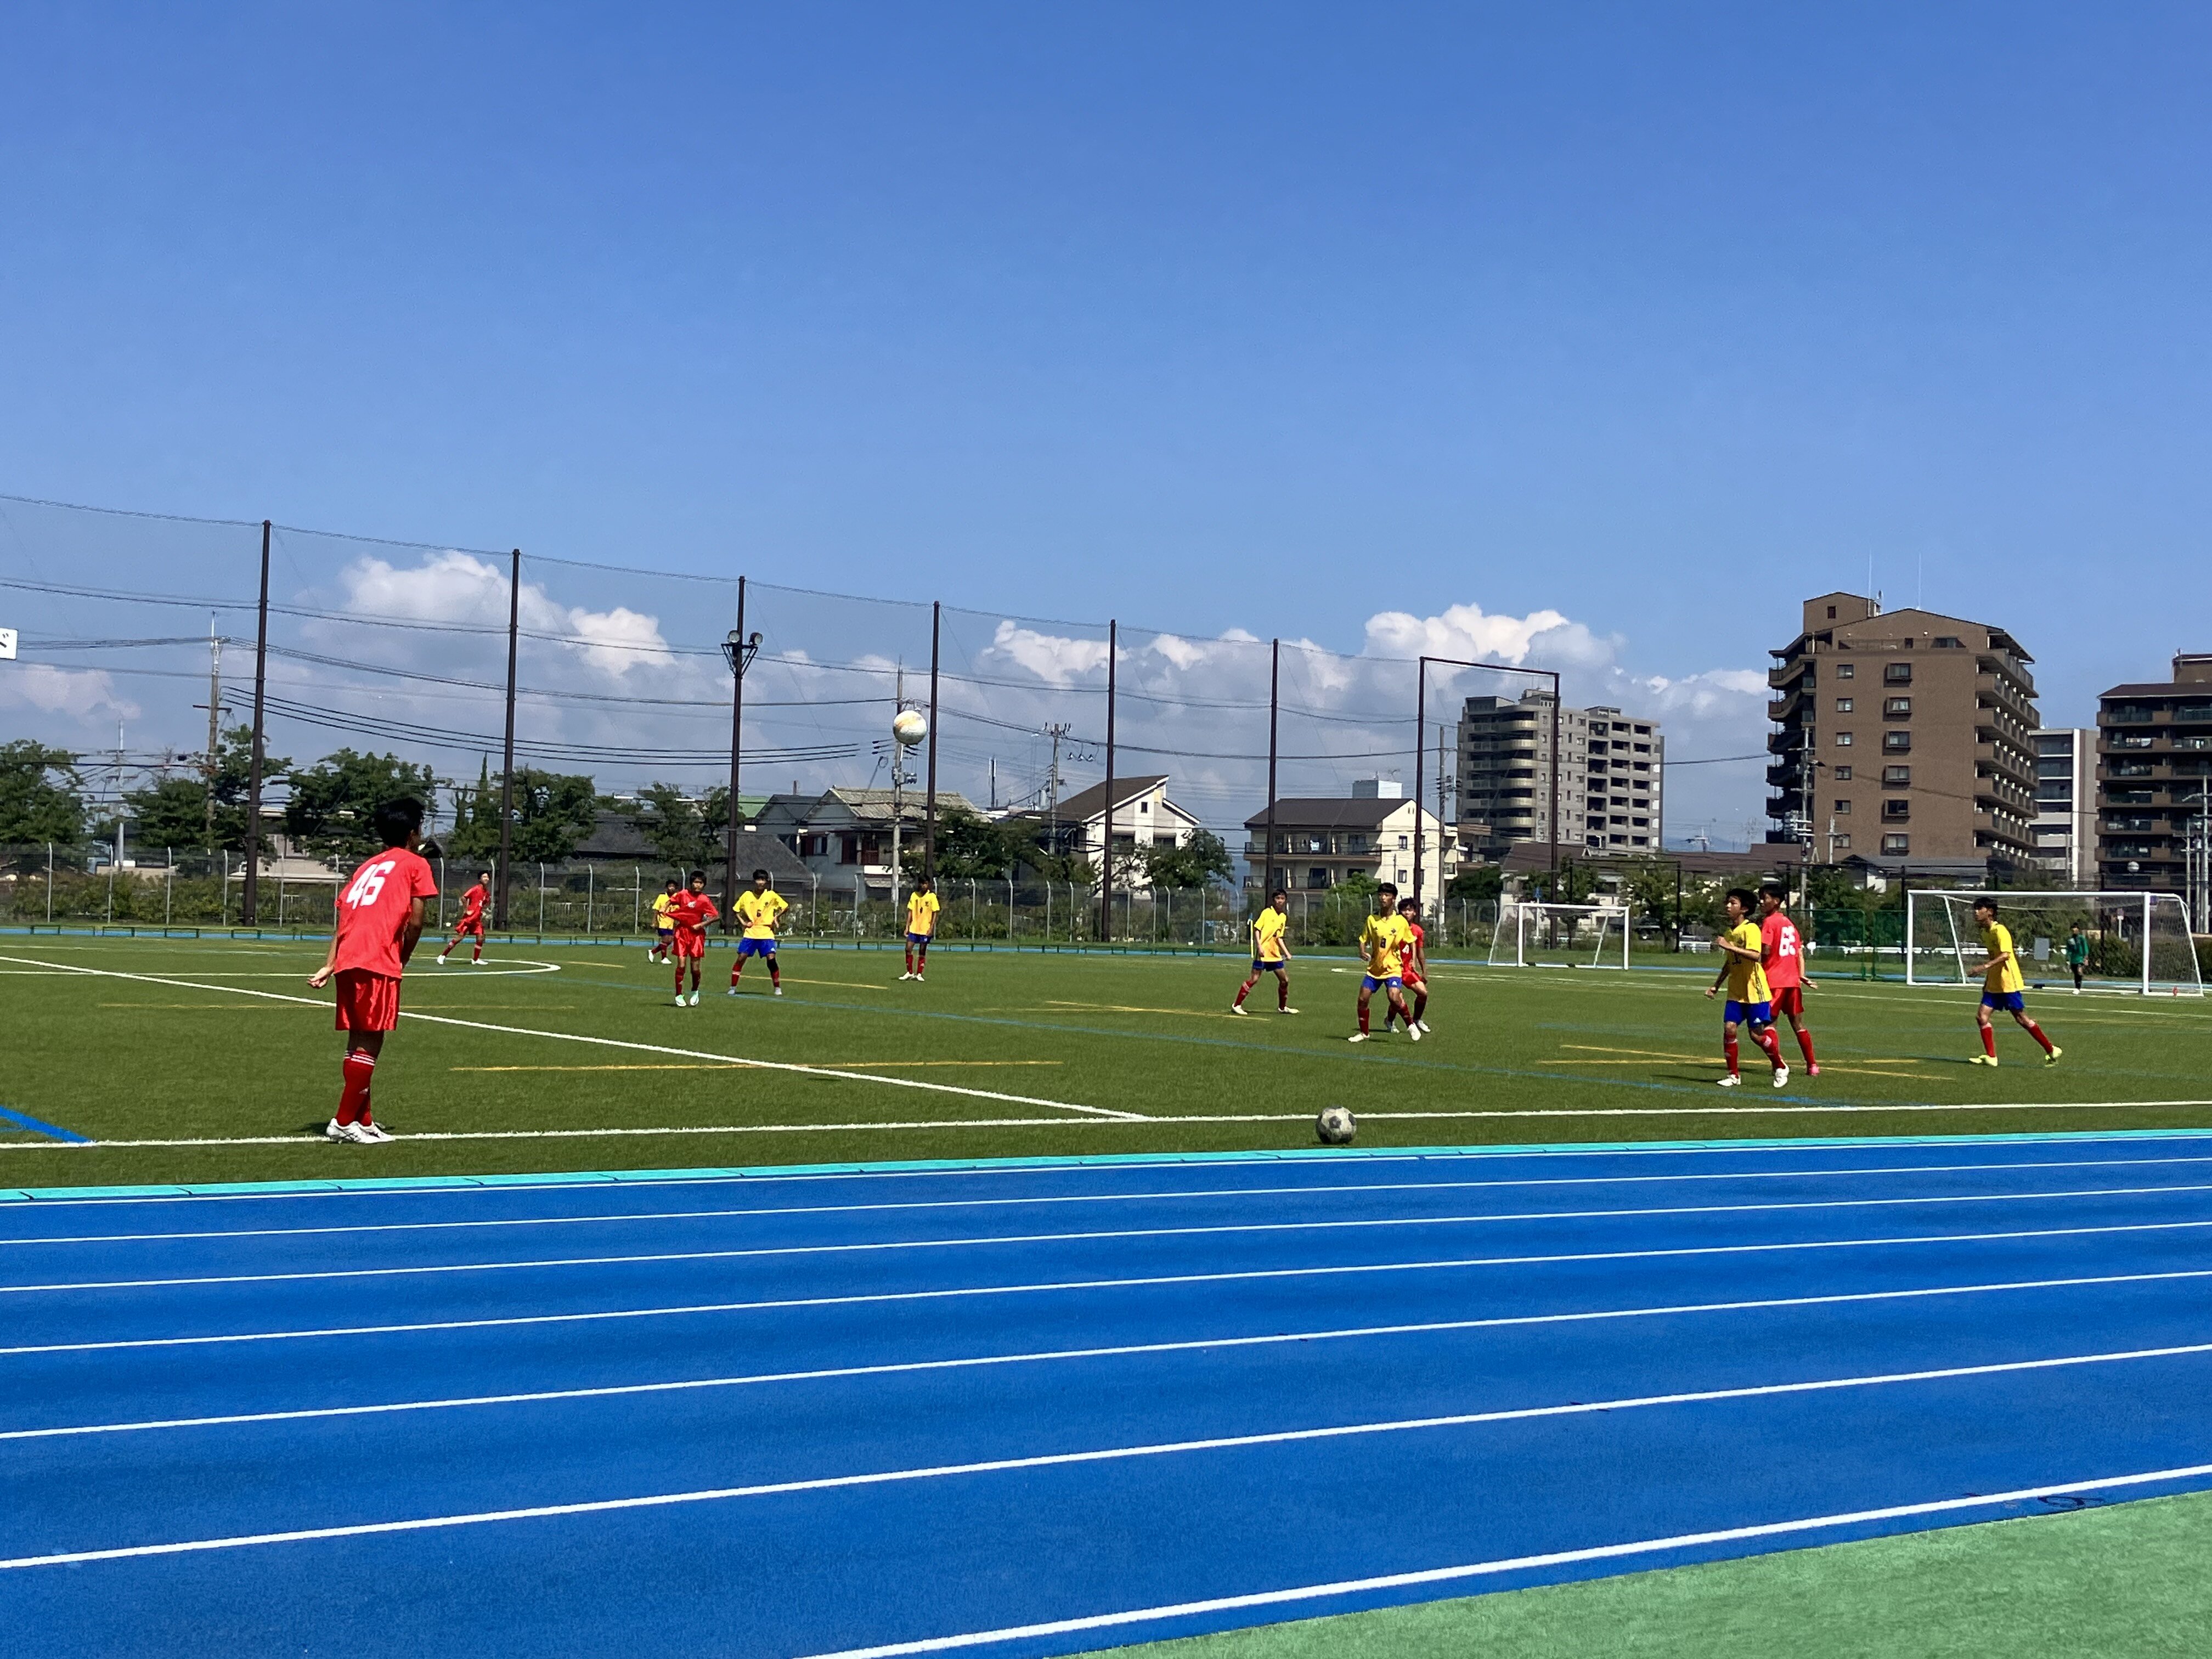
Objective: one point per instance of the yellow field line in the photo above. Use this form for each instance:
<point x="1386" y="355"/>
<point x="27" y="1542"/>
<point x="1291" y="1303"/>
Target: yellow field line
<point x="825" y="1065"/>
<point x="1124" y="1008"/>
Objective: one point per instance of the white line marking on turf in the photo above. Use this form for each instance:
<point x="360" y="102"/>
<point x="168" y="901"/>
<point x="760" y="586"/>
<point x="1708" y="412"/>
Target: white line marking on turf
<point x="861" y="1247"/>
<point x="1311" y="1189"/>
<point x="615" y="1042"/>
<point x="1429" y="1327"/>
<point x="1343" y="1586"/>
<point x="1113" y="1454"/>
<point x="1147" y="1281"/>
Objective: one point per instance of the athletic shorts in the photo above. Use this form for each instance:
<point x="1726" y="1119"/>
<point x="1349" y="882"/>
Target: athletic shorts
<point x="1414" y="981"/>
<point x="756" y="947"/>
<point x="1369" y="982"/>
<point x="1749" y="1013"/>
<point x="1789" y="1000"/>
<point x="468" y="925"/>
<point x="2009" y="1002"/>
<point x="919" y="939"/>
<point x="664" y="934"/>
<point x="1261" y="965"/>
<point x="367" y="1001"/>
<point x="688" y="945"/>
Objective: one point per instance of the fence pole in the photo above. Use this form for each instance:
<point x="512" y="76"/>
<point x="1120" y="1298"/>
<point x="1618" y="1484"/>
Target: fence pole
<point x="169" y="892"/>
<point x="280" y="897"/>
<point x="506" y="761"/>
<point x="1010" y="908"/>
<point x="112" y="864"/>
<point x="1106" y="852"/>
<point x="590" y="878"/>
<point x="50" y="882"/>
<point x="541" y="900"/>
<point x="637" y="899"/>
<point x="441" y="897"/>
<point x="250" y="895"/>
<point x="929" y="806"/>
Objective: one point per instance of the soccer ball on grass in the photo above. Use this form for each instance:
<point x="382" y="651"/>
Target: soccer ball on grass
<point x="1336" y="1126"/>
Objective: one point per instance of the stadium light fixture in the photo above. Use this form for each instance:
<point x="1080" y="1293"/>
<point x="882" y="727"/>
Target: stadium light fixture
<point x="739" y="650"/>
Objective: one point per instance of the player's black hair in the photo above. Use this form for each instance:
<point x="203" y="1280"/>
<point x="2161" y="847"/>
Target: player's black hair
<point x="1280" y="892"/>
<point x="1743" y="896"/>
<point x="759" y="875"/>
<point x="1985" y="902"/>
<point x="674" y="881"/>
<point x="1775" y="890"/>
<point x="1408" y="908"/>
<point x="925" y="881"/>
<point x="483" y="875"/>
<point x="698" y="875"/>
<point x="396" y="820"/>
<point x="1385" y="887"/>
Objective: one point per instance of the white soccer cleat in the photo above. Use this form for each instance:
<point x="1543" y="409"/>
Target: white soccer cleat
<point x="1286" y="1010"/>
<point x="1236" y="1008"/>
<point x="476" y="962"/>
<point x="1357" y="1036"/>
<point x="356" y="1133"/>
<point x="1731" y="1081"/>
<point x="373" y="1131"/>
<point x="777" y="992"/>
<point x="334" y="1130"/>
<point x="1782" y="1077"/>
<point x="1424" y="1024"/>
<point x="1414" y="1032"/>
<point x="733" y="991"/>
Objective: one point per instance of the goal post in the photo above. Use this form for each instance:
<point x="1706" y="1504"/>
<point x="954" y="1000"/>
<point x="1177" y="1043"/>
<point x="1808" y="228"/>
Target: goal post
<point x="2132" y="941"/>
<point x="1569" y="935"/>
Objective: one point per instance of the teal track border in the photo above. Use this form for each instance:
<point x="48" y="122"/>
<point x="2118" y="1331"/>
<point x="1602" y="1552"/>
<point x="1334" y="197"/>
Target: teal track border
<point x="942" y="1165"/>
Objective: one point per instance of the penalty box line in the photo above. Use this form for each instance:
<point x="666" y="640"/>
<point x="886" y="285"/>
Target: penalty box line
<point x="618" y="1042"/>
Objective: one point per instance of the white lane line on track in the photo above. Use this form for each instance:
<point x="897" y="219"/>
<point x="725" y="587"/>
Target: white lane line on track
<point x="1144" y="1282"/>
<point x="1428" y="1328"/>
<point x="1308" y="1190"/>
<point x="880" y="1246"/>
<point x="1310" y="1592"/>
<point x="607" y="1042"/>
<point x="1119" y="1454"/>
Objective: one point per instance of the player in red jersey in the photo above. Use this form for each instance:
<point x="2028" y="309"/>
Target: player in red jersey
<point x="472" y="918"/>
<point x="1783" y="954"/>
<point x="1416" y="974"/>
<point x="380" y="920"/>
<point x="692" y="913"/>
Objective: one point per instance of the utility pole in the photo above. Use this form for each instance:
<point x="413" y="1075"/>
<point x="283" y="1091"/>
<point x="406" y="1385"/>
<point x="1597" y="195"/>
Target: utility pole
<point x="249" y="902"/>
<point x="1056" y="731"/>
<point x="208" y="768"/>
<point x="898" y="787"/>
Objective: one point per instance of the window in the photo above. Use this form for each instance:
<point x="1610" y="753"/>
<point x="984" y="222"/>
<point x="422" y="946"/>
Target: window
<point x="1896" y="811"/>
<point x="1847" y="670"/>
<point x="1841" y="843"/>
<point x="1843" y="806"/>
<point x="1949" y="642"/>
<point x="1897" y="673"/>
<point x="849" y="849"/>
<point x="1842" y="705"/>
<point x="1645" y="731"/>
<point x="1842" y="740"/>
<point x="1896" y="777"/>
<point x="1640" y="766"/>
<point x="1831" y="613"/>
<point x="1642" y="748"/>
<point x="1842" y="775"/>
<point x="1144" y="806"/>
<point x="1895" y="845"/>
<point x="1404" y="842"/>
<point x="1896" y="705"/>
<point x="1897" y="743"/>
<point x="1639" y="824"/>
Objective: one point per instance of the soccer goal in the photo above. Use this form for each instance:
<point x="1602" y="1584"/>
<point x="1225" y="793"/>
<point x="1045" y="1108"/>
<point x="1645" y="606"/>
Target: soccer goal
<point x="1560" y="936"/>
<point x="2137" y="942"/>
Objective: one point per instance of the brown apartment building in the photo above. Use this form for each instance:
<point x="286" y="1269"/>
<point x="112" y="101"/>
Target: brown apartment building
<point x="1904" y="740"/>
<point x="2153" y="769"/>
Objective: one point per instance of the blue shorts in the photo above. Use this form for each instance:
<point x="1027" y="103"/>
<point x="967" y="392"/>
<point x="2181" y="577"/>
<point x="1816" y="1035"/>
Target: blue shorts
<point x="2010" y="1002"/>
<point x="919" y="939"/>
<point x="1369" y="982"/>
<point x="664" y="933"/>
<point x="1748" y="1014"/>
<point x="1260" y="967"/>
<point x="756" y="947"/>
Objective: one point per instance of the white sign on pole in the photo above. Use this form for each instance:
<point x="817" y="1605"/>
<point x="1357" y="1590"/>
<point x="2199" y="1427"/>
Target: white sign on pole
<point x="7" y="645"/>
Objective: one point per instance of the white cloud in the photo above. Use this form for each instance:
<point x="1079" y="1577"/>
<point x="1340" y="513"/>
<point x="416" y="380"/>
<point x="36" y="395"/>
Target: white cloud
<point x="74" y="694"/>
<point x="1055" y="659"/>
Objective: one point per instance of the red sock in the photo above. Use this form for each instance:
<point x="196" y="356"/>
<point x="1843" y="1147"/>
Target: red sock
<point x="2036" y="1031"/>
<point x="1245" y="990"/>
<point x="775" y="972"/>
<point x="1805" y="1041"/>
<point x="1282" y="991"/>
<point x="909" y="958"/>
<point x="479" y="950"/>
<point x="1989" y="1041"/>
<point x="679" y="976"/>
<point x="1421" y="1005"/>
<point x="1362" y="1016"/>
<point x="1770" y="1044"/>
<point x="1728" y="1046"/>
<point x="359" y="1067"/>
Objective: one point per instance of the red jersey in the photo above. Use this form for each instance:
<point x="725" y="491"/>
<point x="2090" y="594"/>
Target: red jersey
<point x="373" y="909"/>
<point x="473" y="902"/>
<point x="691" y="912"/>
<point x="1782" y="953"/>
<point x="1414" y="961"/>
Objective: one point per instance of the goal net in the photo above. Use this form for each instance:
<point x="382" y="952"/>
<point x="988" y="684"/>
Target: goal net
<point x="2135" y="942"/>
<point x="1560" y="936"/>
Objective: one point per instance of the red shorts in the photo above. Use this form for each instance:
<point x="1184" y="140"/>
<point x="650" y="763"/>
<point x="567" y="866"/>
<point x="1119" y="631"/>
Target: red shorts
<point x="367" y="1001"/>
<point x="690" y="944"/>
<point x="1412" y="982"/>
<point x="1788" y="1000"/>
<point x="473" y="924"/>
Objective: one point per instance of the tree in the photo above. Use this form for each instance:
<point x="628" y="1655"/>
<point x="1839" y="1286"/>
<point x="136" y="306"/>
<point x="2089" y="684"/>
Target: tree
<point x="1477" y="884"/>
<point x="683" y="832"/>
<point x="971" y="847"/>
<point x="173" y="813"/>
<point x="39" y="793"/>
<point x="553" y="811"/>
<point x="1198" y="860"/>
<point x="333" y="806"/>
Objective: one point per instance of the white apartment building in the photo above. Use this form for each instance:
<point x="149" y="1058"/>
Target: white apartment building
<point x="1611" y="782"/>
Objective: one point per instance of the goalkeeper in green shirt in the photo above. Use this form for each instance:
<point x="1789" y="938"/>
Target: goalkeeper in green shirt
<point x="2077" y="955"/>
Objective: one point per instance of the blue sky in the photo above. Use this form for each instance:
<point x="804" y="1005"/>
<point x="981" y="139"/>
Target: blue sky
<point x="1259" y="318"/>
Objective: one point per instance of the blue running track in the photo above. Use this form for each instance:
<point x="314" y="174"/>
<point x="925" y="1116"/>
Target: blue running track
<point x="1033" y="1407"/>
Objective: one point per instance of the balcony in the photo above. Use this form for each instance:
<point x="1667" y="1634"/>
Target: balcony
<point x="2007" y="762"/>
<point x="2002" y="693"/>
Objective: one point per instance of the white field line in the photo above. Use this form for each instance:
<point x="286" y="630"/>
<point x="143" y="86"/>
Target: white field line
<point x="873" y="1247"/>
<point x="1311" y="1189"/>
<point x="1101" y="1115"/>
<point x="1250" y="1275"/>
<point x="615" y="1042"/>
<point x="901" y="1368"/>
<point x="1114" y="1454"/>
<point x="1308" y="1593"/>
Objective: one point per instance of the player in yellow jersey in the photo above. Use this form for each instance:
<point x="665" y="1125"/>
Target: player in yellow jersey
<point x="757" y="912"/>
<point x="2001" y="987"/>
<point x="1271" y="953"/>
<point x="1383" y="942"/>
<point x="921" y="926"/>
<point x="663" y="923"/>
<point x="1750" y="1003"/>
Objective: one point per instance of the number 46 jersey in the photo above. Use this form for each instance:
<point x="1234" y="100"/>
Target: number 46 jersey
<point x="373" y="909"/>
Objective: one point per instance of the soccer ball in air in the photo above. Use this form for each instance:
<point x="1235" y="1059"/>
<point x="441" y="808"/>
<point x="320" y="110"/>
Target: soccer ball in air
<point x="1335" y="1127"/>
<point x="910" y="726"/>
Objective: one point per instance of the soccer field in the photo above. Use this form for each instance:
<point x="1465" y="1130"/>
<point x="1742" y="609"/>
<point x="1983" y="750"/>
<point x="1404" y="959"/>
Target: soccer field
<point x="193" y="1060"/>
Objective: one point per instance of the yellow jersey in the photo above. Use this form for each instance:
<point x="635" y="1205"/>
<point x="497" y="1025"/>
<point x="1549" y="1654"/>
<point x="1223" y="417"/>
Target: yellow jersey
<point x="1747" y="979"/>
<point x="1384" y="939"/>
<point x="662" y="904"/>
<point x="759" y="912"/>
<point x="921" y="913"/>
<point x="1996" y="940"/>
<point x="1269" y="931"/>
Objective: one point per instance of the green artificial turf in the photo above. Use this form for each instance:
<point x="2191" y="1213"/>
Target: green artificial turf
<point x="1534" y="1055"/>
<point x="2124" y="1582"/>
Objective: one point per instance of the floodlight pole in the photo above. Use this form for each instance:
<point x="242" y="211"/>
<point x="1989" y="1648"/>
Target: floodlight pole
<point x="249" y="899"/>
<point x="507" y="757"/>
<point x="929" y="803"/>
<point x="1421" y="718"/>
<point x="1274" y="705"/>
<point x="738" y="650"/>
<point x="1106" y="854"/>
